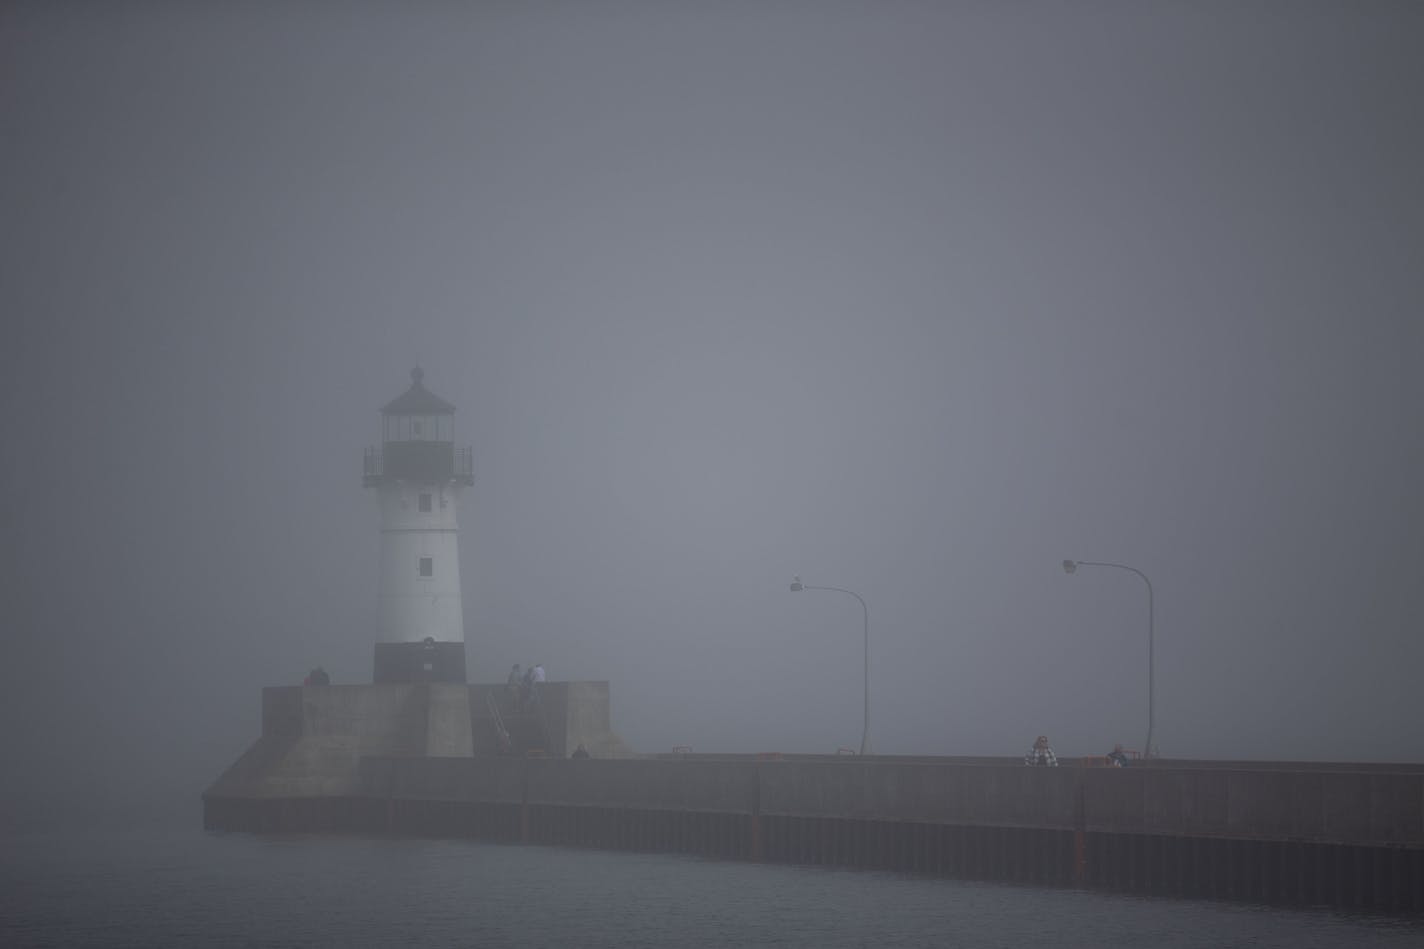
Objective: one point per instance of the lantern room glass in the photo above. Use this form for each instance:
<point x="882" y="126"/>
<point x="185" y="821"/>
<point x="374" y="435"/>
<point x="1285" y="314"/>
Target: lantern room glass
<point x="418" y="428"/>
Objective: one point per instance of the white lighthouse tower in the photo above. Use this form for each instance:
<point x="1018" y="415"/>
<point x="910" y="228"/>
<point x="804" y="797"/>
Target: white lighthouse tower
<point x="418" y="474"/>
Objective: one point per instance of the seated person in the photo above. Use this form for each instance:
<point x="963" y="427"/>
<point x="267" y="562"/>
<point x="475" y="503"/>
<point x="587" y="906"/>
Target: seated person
<point x="1117" y="757"/>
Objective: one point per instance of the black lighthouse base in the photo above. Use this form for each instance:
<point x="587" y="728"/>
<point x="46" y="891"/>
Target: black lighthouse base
<point x="427" y="661"/>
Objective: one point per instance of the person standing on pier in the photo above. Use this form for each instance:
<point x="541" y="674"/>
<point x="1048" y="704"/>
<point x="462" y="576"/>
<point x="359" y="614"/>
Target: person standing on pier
<point x="511" y="686"/>
<point x="1041" y="755"/>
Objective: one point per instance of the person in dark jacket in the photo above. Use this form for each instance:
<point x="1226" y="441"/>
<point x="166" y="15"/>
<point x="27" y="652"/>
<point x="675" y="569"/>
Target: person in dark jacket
<point x="580" y="751"/>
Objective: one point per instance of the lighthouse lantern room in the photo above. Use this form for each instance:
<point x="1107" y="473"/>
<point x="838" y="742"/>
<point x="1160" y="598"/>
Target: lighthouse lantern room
<point x="418" y="474"/>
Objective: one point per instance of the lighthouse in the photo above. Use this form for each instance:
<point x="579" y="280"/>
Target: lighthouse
<point x="418" y="473"/>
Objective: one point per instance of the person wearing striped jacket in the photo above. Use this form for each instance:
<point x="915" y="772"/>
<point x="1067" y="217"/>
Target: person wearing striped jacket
<point x="1041" y="755"/>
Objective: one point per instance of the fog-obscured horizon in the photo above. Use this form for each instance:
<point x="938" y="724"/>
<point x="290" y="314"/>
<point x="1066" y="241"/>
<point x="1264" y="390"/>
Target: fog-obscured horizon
<point x="917" y="300"/>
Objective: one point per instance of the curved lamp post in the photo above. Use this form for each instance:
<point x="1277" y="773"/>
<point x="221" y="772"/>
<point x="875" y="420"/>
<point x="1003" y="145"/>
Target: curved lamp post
<point x="796" y="587"/>
<point x="1070" y="567"/>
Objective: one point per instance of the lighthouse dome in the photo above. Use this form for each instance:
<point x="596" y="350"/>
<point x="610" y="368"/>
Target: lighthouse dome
<point x="418" y="400"/>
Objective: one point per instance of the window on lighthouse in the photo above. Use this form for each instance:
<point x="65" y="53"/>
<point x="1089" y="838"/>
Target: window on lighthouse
<point x="427" y="566"/>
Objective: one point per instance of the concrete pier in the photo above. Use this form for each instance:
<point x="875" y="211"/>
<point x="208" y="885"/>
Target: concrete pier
<point x="1339" y="835"/>
<point x="314" y="738"/>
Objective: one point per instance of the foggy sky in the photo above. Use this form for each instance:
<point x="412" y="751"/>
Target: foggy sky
<point x="915" y="299"/>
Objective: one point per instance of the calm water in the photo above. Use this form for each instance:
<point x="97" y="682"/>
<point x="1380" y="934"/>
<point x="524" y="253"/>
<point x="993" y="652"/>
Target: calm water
<point x="168" y="884"/>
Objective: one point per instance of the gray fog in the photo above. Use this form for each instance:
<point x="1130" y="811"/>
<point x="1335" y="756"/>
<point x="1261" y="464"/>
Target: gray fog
<point x="912" y="299"/>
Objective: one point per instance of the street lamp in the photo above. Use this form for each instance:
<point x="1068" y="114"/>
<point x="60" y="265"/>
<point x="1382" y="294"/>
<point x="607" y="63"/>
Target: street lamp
<point x="796" y="587"/>
<point x="1070" y="567"/>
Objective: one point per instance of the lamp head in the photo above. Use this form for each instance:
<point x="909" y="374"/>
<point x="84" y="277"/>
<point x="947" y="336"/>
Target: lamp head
<point x="1070" y="566"/>
<point x="796" y="585"/>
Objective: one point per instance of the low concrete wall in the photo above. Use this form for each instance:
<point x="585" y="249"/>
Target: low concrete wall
<point x="568" y="713"/>
<point x="587" y="719"/>
<point x="383" y="719"/>
<point x="447" y="721"/>
<point x="314" y="737"/>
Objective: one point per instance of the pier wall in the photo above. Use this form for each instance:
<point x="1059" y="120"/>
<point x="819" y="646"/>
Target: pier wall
<point x="566" y="714"/>
<point x="1350" y="839"/>
<point x="1379" y="808"/>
